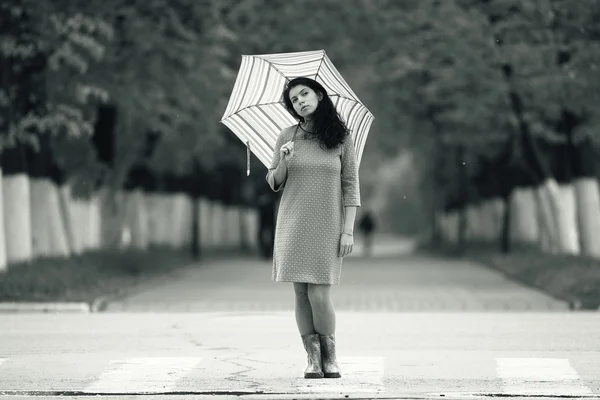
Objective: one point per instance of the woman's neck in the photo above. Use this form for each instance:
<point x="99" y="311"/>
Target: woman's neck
<point x="308" y="123"/>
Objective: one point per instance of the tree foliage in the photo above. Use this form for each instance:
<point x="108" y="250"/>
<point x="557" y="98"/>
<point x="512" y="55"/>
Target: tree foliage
<point x="431" y="71"/>
<point x="46" y="53"/>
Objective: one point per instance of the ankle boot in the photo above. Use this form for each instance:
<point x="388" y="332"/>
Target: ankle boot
<point x="329" y="360"/>
<point x="312" y="345"/>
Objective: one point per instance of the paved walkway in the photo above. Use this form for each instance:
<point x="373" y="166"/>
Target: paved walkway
<point x="393" y="279"/>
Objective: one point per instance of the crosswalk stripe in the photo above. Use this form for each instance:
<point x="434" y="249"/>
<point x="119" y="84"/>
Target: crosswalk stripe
<point x="540" y="376"/>
<point x="359" y="374"/>
<point x="143" y="375"/>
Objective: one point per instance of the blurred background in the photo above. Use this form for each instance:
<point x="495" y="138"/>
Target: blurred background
<point x="486" y="122"/>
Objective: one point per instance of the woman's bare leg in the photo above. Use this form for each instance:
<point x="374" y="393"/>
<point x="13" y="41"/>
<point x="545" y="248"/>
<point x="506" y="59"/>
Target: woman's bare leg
<point x="323" y="313"/>
<point x="304" y="315"/>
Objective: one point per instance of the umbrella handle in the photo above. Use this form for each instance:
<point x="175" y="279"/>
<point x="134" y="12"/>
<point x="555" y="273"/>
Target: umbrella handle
<point x="247" y="158"/>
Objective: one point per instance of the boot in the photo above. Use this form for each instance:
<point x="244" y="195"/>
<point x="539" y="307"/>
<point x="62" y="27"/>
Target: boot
<point x="312" y="346"/>
<point x="330" y="365"/>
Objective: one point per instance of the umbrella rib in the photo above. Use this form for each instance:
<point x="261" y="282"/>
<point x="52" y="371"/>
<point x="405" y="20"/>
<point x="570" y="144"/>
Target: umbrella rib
<point x="320" y="65"/>
<point x="252" y="106"/>
<point x="276" y="69"/>
<point x="279" y="102"/>
<point x="282" y="74"/>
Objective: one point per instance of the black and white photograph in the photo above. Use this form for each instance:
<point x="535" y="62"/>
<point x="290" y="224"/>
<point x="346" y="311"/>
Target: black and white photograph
<point x="299" y="200"/>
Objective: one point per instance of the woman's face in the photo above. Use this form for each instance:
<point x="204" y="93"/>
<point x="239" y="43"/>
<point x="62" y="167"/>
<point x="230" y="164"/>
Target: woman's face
<point x="304" y="99"/>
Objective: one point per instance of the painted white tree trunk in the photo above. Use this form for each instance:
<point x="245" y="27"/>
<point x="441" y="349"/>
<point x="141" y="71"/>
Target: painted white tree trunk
<point x="39" y="218"/>
<point x="568" y="219"/>
<point x="251" y="223"/>
<point x="181" y="226"/>
<point x="483" y="221"/>
<point x="548" y="240"/>
<point x="166" y="206"/>
<point x="443" y="221"/>
<point x="137" y="218"/>
<point x="3" y="258"/>
<point x="167" y="218"/>
<point x="112" y="217"/>
<point x="227" y="227"/>
<point x="237" y="227"/>
<point x="203" y="214"/>
<point x="206" y="224"/>
<point x="58" y="233"/>
<point x="218" y="227"/>
<point x="231" y="226"/>
<point x="225" y="241"/>
<point x="186" y="224"/>
<point x="153" y="212"/>
<point x="17" y="218"/>
<point x="497" y="209"/>
<point x="554" y="235"/>
<point x="173" y="220"/>
<point x="453" y="223"/>
<point x="587" y="197"/>
<point x="93" y="210"/>
<point x="47" y="227"/>
<point x="80" y="223"/>
<point x="524" y="219"/>
<point x="184" y="228"/>
<point x="488" y="225"/>
<point x="69" y="222"/>
<point x="158" y="218"/>
<point x="473" y="230"/>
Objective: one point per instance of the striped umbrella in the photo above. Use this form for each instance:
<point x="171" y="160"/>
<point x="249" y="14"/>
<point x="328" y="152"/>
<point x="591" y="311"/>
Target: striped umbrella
<point x="256" y="112"/>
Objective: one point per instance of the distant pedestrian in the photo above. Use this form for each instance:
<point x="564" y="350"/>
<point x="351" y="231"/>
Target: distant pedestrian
<point x="367" y="225"/>
<point x="314" y="229"/>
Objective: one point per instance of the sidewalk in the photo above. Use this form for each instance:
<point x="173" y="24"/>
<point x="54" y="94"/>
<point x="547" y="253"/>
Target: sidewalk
<point x="394" y="279"/>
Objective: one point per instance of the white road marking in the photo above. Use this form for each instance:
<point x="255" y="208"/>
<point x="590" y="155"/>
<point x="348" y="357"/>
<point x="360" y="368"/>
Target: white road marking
<point x="540" y="376"/>
<point x="359" y="374"/>
<point x="143" y="375"/>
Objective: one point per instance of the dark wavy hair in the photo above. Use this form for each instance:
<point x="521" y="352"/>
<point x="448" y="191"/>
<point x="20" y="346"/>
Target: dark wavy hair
<point x="327" y="123"/>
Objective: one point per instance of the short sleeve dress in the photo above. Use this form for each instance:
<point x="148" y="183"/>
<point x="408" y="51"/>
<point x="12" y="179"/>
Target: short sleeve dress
<point x="320" y="182"/>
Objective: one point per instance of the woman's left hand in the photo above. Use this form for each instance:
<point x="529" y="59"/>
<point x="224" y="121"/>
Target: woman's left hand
<point x="346" y="245"/>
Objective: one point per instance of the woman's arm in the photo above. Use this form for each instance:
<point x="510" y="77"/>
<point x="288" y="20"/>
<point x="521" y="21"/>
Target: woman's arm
<point x="350" y="216"/>
<point x="350" y="181"/>
<point x="280" y="174"/>
<point x="277" y="173"/>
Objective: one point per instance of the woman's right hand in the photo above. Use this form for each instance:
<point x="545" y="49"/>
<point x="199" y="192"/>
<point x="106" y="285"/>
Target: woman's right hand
<point x="286" y="152"/>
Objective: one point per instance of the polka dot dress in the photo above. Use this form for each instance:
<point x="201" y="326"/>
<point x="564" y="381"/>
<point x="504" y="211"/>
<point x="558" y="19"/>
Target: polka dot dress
<point x="320" y="182"/>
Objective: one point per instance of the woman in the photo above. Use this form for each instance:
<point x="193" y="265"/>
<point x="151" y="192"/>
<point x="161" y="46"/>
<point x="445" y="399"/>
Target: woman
<point x="315" y="162"/>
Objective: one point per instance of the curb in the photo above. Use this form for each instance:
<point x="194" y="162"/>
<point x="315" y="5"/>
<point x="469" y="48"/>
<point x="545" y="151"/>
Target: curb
<point x="100" y="303"/>
<point x="573" y="303"/>
<point x="42" y="307"/>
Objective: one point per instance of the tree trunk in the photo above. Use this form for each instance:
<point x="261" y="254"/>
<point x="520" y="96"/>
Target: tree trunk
<point x="196" y="238"/>
<point x="587" y="197"/>
<point x="464" y="183"/>
<point x="3" y="261"/>
<point x="550" y="208"/>
<point x="16" y="208"/>
<point x="505" y="235"/>
<point x="524" y="226"/>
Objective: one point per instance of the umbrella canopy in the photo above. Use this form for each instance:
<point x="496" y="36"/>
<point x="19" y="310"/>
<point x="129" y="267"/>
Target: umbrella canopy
<point x="256" y="112"/>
